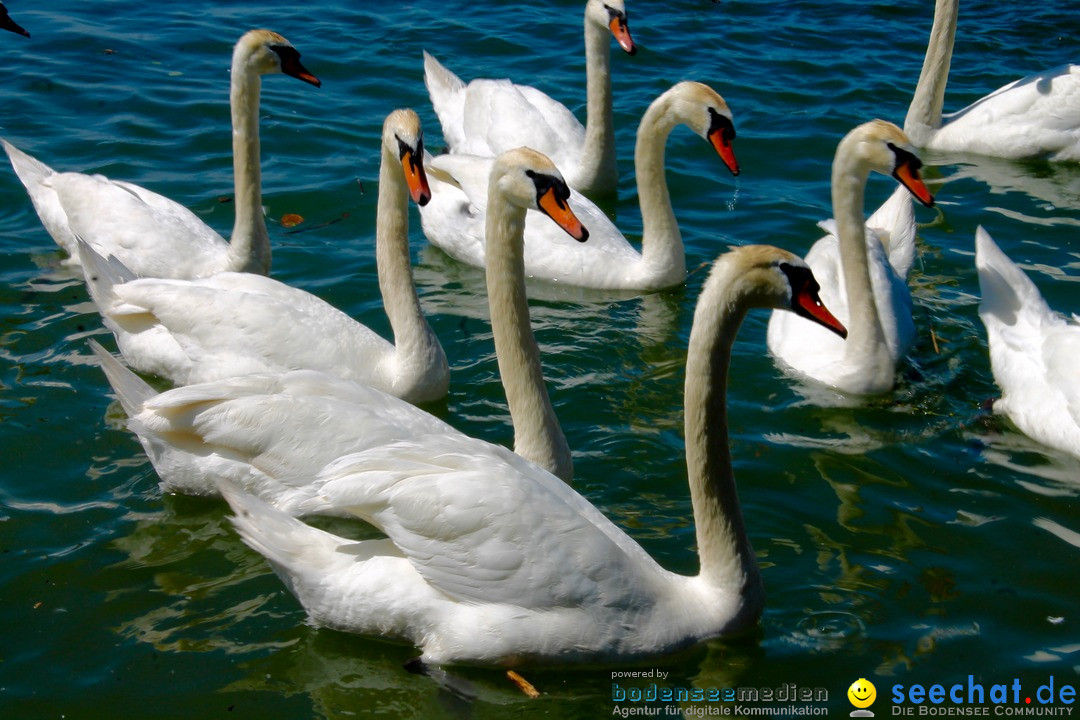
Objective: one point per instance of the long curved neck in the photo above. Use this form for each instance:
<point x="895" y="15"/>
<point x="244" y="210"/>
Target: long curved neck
<point x="662" y="249"/>
<point x="249" y="248"/>
<point x="865" y="346"/>
<point x="415" y="343"/>
<point x="537" y="435"/>
<point x="924" y="113"/>
<point x="598" y="154"/>
<point x="727" y="558"/>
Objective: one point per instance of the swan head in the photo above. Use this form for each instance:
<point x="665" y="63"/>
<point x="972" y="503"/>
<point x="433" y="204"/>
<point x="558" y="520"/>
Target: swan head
<point x="766" y="276"/>
<point x="403" y="137"/>
<point x="883" y="147"/>
<point x="265" y="52"/>
<point x="612" y="15"/>
<point x="6" y="23"/>
<point x="701" y="109"/>
<point x="528" y="179"/>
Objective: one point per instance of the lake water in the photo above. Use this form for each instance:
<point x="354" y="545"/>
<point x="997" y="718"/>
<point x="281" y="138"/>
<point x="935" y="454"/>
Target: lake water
<point x="908" y="539"/>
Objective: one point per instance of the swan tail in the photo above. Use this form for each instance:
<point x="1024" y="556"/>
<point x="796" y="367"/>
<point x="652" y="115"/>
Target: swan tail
<point x="1007" y="292"/>
<point x="102" y="275"/>
<point x="131" y="390"/>
<point x="29" y="170"/>
<point x="447" y="93"/>
<point x="292" y="547"/>
<point x="37" y="178"/>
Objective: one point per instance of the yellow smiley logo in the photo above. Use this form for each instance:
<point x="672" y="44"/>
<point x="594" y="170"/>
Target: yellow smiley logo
<point x="862" y="693"/>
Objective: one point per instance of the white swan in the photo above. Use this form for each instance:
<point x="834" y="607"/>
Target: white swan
<point x="193" y="331"/>
<point x="6" y="23"/>
<point x="1033" y="351"/>
<point x="853" y="266"/>
<point x="1037" y="116"/>
<point x="490" y="560"/>
<point x="271" y="433"/>
<point x="487" y="117"/>
<point x="454" y="219"/>
<point x="155" y="236"/>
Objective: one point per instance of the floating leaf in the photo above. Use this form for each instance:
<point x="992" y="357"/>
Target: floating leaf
<point x="291" y="220"/>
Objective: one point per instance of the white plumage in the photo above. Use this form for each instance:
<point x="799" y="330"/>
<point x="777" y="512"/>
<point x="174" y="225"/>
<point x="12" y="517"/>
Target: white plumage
<point x="150" y="234"/>
<point x="862" y="268"/>
<point x="1033" y="351"/>
<point x="487" y="117"/>
<point x="491" y="560"/>
<point x="193" y="331"/>
<point x="454" y="220"/>
<point x="1036" y="116"/>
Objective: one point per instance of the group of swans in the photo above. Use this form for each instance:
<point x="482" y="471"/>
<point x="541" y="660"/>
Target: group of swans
<point x="237" y="323"/>
<point x="271" y="433"/>
<point x="479" y="537"/>
<point x="454" y="220"/>
<point x="486" y="117"/>
<point x="490" y="560"/>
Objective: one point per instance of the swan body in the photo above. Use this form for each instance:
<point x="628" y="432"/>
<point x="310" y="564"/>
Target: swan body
<point x="490" y="560"/>
<point x="271" y="433"/>
<point x="150" y="234"/>
<point x="205" y="329"/>
<point x="6" y="23"/>
<point x="454" y="219"/>
<point x="1036" y="116"/>
<point x="1033" y="351"/>
<point x="862" y="268"/>
<point x="487" y="117"/>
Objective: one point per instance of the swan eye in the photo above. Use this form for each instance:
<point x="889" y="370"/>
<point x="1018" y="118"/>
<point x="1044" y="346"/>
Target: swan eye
<point x="549" y="183"/>
<point x="289" y="58"/>
<point x="405" y="148"/>
<point x="904" y="157"/>
<point x="722" y="124"/>
<point x="805" y="300"/>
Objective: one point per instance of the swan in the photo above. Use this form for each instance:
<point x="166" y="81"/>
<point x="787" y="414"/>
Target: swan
<point x="1033" y="351"/>
<point x="232" y="323"/>
<point x="858" y="281"/>
<point x="487" y="117"/>
<point x="454" y="219"/>
<point x="1037" y="116"/>
<point x="150" y="234"/>
<point x="7" y="23"/>
<point x="490" y="560"/>
<point x="272" y="432"/>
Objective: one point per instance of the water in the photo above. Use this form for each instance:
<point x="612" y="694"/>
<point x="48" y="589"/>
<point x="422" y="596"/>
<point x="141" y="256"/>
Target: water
<point x="908" y="539"/>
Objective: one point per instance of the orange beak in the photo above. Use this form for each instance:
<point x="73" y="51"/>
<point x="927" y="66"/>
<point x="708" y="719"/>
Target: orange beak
<point x="722" y="145"/>
<point x="809" y="305"/>
<point x="910" y="178"/>
<point x="561" y="213"/>
<point x="621" y="31"/>
<point x="416" y="178"/>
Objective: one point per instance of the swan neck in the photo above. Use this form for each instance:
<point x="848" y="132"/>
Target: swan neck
<point x="865" y="344"/>
<point x="727" y="558"/>
<point x="924" y="113"/>
<point x="598" y="153"/>
<point x="249" y="249"/>
<point x="413" y="337"/>
<point x="661" y="242"/>
<point x="537" y="435"/>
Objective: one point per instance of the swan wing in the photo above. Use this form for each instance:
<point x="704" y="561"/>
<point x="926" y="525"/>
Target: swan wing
<point x="483" y="525"/>
<point x="238" y="323"/>
<point x="151" y="234"/>
<point x="270" y="433"/>
<point x="1038" y="115"/>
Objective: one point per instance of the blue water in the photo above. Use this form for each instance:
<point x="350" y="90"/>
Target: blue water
<point x="908" y="539"/>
